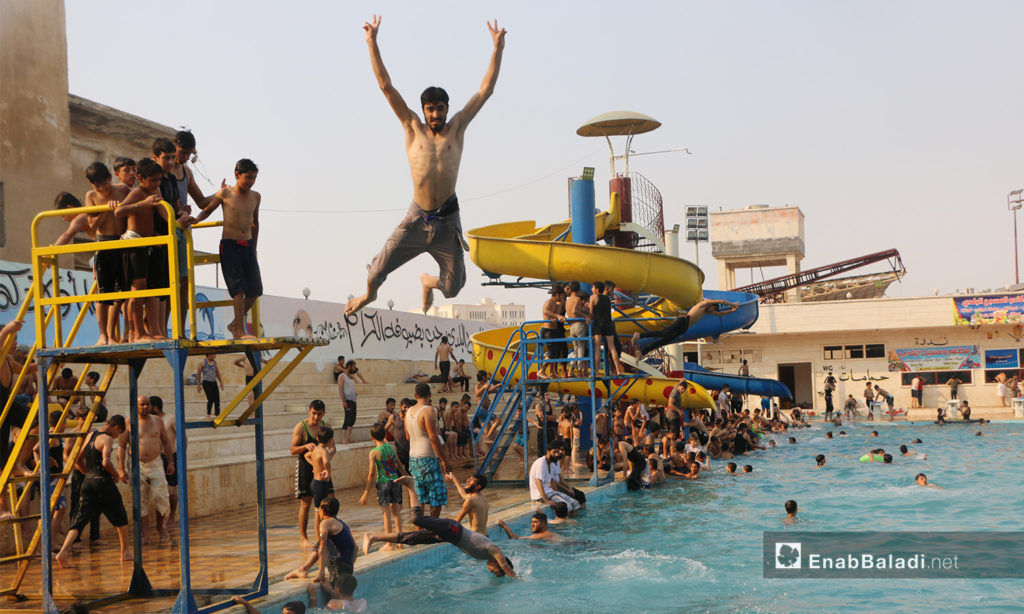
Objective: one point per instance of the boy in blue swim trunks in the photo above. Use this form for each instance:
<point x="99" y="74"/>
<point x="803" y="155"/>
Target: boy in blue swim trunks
<point x="238" y="242"/>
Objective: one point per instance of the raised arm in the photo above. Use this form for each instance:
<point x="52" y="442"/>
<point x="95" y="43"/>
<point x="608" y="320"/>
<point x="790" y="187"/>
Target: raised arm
<point x="508" y="531"/>
<point x="462" y="491"/>
<point x="402" y="110"/>
<point x="478" y="99"/>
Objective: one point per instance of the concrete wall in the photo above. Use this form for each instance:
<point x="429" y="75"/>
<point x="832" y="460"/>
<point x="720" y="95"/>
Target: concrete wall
<point x="755" y="232"/>
<point x="100" y="133"/>
<point x="799" y="333"/>
<point x="34" y="118"/>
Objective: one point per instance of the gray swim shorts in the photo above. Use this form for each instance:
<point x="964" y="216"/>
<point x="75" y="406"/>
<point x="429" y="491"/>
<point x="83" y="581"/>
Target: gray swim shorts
<point x="438" y="233"/>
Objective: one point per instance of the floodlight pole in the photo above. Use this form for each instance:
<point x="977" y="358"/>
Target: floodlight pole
<point x="1014" y="201"/>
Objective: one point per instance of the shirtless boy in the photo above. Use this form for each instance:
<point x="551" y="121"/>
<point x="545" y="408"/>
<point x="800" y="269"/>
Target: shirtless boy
<point x="434" y="148"/>
<point x="136" y="208"/>
<point x="304" y="439"/>
<point x="110" y="275"/>
<point x="238" y="242"/>
<point x="320" y="458"/>
<point x="576" y="309"/>
<point x="385" y="474"/>
<point x="443" y="363"/>
<point x="126" y="171"/>
<point x="153" y="469"/>
<point x="77" y="222"/>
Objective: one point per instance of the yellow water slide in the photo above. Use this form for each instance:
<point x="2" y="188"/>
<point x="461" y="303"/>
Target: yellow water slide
<point x="523" y="250"/>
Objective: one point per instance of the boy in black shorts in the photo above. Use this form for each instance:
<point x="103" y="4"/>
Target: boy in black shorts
<point x="109" y="265"/>
<point x="164" y="154"/>
<point x="238" y="242"/>
<point x="137" y="208"/>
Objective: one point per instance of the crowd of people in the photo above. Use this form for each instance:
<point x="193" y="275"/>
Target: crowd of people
<point x="570" y="309"/>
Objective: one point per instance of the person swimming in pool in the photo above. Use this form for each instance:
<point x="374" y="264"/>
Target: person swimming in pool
<point x="791" y="508"/>
<point x="922" y="480"/>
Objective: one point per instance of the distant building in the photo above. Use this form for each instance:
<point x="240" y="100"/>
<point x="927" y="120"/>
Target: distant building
<point x="510" y="314"/>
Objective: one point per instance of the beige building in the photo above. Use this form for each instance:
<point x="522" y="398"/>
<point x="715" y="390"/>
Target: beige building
<point x="508" y="314"/>
<point x="862" y="341"/>
<point x="49" y="135"/>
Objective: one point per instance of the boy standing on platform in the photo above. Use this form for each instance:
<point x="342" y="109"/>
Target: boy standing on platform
<point x="109" y="262"/>
<point x="238" y="242"/>
<point x="136" y="208"/>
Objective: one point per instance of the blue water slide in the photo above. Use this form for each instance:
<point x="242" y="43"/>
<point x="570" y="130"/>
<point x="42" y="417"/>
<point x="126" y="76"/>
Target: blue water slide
<point x="737" y="383"/>
<point x="712" y="326"/>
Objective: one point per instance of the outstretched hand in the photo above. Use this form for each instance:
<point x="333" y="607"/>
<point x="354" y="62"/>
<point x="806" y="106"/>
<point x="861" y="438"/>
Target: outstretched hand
<point x="497" y="34"/>
<point x="371" y="27"/>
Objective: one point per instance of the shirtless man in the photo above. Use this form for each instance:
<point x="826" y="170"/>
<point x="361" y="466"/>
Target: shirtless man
<point x="304" y="439"/>
<point x="443" y="363"/>
<point x="553" y="328"/>
<point x="109" y="262"/>
<point x="677" y="327"/>
<point x="238" y="242"/>
<point x="152" y="470"/>
<point x="170" y="456"/>
<point x="538" y="529"/>
<point x="474" y="504"/>
<point x="437" y="530"/>
<point x="434" y="148"/>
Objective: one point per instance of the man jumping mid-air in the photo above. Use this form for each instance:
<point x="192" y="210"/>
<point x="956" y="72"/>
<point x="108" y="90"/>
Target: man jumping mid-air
<point x="434" y="148"/>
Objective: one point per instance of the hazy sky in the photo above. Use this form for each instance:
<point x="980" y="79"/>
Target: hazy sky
<point x="889" y="123"/>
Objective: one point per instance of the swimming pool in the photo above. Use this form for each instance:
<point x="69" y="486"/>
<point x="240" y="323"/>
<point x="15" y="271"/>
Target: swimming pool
<point x="696" y="546"/>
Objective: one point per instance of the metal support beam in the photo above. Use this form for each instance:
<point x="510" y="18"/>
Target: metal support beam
<point x="186" y="602"/>
<point x="262" y="584"/>
<point x="140" y="585"/>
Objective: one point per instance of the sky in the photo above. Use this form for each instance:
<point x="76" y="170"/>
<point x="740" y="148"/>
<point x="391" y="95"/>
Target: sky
<point x="891" y="124"/>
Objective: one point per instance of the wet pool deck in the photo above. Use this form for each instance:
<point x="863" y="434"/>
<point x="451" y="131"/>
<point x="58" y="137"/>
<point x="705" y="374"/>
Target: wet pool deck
<point x="225" y="552"/>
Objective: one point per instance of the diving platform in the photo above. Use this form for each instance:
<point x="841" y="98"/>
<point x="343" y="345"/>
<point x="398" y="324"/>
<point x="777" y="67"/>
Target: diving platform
<point x="272" y="359"/>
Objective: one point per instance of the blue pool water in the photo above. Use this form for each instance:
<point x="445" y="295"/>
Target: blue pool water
<point x="697" y="546"/>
